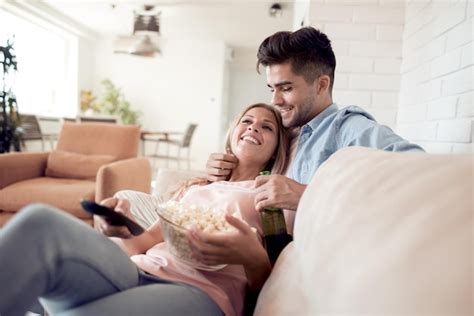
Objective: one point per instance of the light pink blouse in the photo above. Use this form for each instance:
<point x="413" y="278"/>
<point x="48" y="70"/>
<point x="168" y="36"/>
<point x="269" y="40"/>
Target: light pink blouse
<point x="226" y="286"/>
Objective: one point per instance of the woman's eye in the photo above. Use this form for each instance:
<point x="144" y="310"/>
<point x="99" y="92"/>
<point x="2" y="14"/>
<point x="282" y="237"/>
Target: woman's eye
<point x="268" y="128"/>
<point x="246" y="121"/>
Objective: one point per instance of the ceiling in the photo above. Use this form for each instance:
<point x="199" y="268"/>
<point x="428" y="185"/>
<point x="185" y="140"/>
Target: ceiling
<point x="240" y="23"/>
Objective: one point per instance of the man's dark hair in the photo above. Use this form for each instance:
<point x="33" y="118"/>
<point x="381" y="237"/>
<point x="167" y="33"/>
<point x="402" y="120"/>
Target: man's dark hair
<point x="308" y="51"/>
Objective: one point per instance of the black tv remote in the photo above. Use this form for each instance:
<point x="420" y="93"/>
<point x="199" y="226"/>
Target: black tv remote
<point x="115" y="218"/>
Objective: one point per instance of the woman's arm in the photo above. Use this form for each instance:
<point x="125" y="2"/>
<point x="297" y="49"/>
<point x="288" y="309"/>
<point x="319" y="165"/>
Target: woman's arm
<point x="140" y="244"/>
<point x="130" y="244"/>
<point x="242" y="247"/>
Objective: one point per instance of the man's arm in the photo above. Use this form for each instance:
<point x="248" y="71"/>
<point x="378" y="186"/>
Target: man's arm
<point x="358" y="130"/>
<point x="219" y="166"/>
<point x="277" y="191"/>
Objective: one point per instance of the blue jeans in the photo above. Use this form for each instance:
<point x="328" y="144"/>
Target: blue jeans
<point x="74" y="270"/>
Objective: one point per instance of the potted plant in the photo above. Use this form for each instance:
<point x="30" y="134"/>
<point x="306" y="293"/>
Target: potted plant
<point x="10" y="131"/>
<point x="112" y="102"/>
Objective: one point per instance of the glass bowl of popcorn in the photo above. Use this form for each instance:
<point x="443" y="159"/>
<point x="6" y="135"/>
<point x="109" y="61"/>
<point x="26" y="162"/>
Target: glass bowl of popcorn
<point x="177" y="218"/>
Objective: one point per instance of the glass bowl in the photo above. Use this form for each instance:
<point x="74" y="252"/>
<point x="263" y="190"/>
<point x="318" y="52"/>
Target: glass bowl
<point x="178" y="244"/>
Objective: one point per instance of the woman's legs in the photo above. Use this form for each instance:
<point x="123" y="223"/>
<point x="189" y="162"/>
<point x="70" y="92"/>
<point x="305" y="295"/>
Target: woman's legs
<point x="45" y="252"/>
<point x="154" y="299"/>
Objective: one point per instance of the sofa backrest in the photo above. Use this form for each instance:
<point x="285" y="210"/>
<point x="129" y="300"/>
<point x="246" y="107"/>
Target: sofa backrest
<point x="379" y="233"/>
<point x="121" y="141"/>
<point x="167" y="180"/>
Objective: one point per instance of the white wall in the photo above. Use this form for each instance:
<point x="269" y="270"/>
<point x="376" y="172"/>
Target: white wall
<point x="86" y="52"/>
<point x="436" y="105"/>
<point x="367" y="40"/>
<point x="246" y="85"/>
<point x="183" y="85"/>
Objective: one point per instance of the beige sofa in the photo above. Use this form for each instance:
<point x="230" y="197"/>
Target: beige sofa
<point x="377" y="233"/>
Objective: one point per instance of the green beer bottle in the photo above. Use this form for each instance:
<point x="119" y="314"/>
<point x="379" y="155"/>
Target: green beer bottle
<point x="274" y="229"/>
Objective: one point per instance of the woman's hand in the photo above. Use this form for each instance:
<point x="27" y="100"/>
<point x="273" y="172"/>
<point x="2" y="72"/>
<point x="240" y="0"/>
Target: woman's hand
<point x="104" y="226"/>
<point x="240" y="247"/>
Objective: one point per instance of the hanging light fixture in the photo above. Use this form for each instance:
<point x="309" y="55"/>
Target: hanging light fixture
<point x="144" y="47"/>
<point x="146" y="24"/>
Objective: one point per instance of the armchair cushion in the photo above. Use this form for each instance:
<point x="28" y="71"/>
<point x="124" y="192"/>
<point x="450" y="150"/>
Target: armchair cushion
<point x="62" y="193"/>
<point x="64" y="164"/>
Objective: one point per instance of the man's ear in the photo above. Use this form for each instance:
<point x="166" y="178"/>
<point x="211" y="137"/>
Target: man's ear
<point x="324" y="81"/>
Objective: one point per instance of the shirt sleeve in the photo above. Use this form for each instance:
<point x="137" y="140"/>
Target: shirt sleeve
<point x="357" y="129"/>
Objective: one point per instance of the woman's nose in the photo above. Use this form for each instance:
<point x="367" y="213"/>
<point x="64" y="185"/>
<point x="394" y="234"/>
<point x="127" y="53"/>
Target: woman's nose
<point x="253" y="127"/>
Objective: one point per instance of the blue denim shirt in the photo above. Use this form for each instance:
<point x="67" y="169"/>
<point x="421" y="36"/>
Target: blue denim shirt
<point x="334" y="129"/>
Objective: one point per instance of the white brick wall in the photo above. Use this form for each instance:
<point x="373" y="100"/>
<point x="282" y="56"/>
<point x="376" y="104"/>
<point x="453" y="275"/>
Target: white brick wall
<point x="367" y="39"/>
<point x="407" y="62"/>
<point x="436" y="95"/>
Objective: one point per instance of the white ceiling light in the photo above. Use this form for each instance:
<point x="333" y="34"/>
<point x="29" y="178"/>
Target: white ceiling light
<point x="144" y="47"/>
<point x="146" y="27"/>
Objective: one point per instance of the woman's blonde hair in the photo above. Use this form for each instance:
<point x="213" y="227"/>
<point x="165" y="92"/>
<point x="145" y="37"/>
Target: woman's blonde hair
<point x="277" y="163"/>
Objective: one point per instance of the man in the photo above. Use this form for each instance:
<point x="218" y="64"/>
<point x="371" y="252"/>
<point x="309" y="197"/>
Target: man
<point x="300" y="70"/>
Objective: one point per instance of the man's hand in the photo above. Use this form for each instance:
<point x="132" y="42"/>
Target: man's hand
<point x="120" y="206"/>
<point x="277" y="191"/>
<point x="219" y="166"/>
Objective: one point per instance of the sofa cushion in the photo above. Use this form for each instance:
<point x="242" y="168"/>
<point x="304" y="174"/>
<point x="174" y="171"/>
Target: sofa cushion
<point x="62" y="193"/>
<point x="379" y="233"/>
<point x="63" y="164"/>
<point x="168" y="180"/>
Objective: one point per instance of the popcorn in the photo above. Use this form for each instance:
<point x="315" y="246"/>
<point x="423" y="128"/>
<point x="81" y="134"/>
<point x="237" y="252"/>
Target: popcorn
<point x="177" y="218"/>
<point x="202" y="218"/>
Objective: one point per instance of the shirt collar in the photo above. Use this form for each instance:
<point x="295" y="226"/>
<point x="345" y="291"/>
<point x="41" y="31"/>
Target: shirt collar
<point x="313" y="124"/>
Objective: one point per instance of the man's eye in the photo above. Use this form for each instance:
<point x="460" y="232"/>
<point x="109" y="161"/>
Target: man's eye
<point x="286" y="89"/>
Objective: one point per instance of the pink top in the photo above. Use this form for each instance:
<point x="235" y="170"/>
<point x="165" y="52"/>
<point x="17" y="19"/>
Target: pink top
<point x="226" y="286"/>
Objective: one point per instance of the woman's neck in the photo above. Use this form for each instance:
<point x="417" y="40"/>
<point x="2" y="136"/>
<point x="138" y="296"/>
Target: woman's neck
<point x="243" y="172"/>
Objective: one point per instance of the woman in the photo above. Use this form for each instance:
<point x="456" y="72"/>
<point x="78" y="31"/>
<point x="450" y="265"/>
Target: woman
<point x="46" y="253"/>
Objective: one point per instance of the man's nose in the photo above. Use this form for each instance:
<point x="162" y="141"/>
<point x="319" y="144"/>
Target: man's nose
<point x="276" y="98"/>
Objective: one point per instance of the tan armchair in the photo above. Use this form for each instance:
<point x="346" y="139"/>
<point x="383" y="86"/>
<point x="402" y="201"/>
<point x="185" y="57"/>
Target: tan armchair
<point x="91" y="160"/>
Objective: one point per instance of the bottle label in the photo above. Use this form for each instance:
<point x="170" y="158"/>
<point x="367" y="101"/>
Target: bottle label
<point x="273" y="222"/>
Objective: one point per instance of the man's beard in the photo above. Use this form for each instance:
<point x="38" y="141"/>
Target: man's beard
<point x="301" y="114"/>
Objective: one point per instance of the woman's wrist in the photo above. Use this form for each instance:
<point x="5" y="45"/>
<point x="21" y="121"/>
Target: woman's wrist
<point x="257" y="269"/>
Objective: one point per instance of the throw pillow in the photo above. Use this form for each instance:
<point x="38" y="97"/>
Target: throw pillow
<point x="64" y="164"/>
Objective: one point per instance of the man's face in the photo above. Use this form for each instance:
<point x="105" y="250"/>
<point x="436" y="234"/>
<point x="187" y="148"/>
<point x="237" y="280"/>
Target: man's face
<point x="296" y="99"/>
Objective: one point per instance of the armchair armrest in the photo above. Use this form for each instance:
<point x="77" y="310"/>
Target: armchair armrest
<point x="16" y="167"/>
<point x="130" y="174"/>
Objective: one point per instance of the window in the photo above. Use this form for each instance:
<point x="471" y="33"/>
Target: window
<point x="44" y="82"/>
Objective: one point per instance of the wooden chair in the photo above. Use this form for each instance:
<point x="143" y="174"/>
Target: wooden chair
<point x="179" y="144"/>
<point x="31" y="131"/>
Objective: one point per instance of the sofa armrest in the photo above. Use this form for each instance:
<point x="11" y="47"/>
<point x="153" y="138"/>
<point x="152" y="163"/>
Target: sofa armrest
<point x="16" y="167"/>
<point x="130" y="174"/>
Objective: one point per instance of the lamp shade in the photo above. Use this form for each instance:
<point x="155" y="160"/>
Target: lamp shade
<point x="144" y="47"/>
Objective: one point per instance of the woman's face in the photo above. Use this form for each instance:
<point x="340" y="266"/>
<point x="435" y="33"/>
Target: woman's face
<point x="255" y="137"/>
